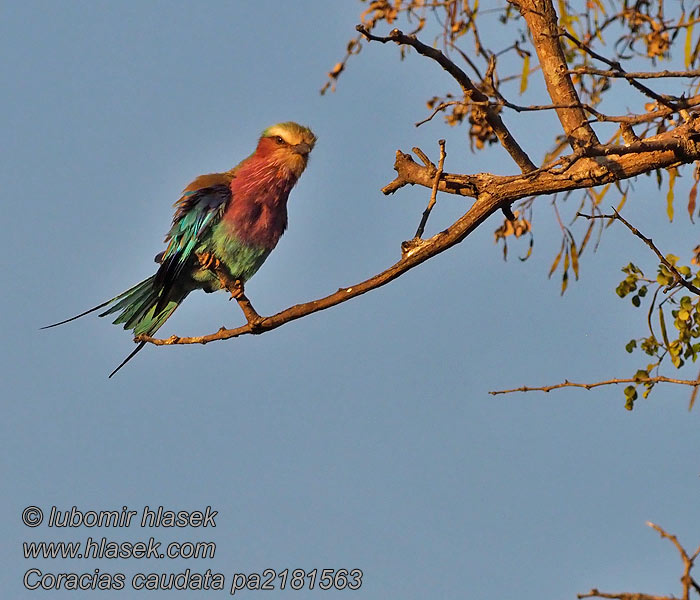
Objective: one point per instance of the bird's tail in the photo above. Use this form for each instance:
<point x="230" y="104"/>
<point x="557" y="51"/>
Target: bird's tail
<point x="138" y="311"/>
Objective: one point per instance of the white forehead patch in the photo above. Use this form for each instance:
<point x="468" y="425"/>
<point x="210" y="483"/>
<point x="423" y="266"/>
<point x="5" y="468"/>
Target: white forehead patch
<point x="291" y="136"/>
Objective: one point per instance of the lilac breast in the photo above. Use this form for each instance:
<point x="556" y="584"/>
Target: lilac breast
<point x="257" y="212"/>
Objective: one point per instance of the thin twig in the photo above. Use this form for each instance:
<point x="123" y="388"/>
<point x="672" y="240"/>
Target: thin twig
<point x="470" y="91"/>
<point x="440" y="107"/>
<point x="686" y="579"/>
<point x="594" y="593"/>
<point x="688" y="561"/>
<point x="677" y="276"/>
<point x="633" y="82"/>
<point x="693" y="396"/>
<point x="423" y="156"/>
<point x="633" y="74"/>
<point x="589" y="386"/>
<point x="433" y="192"/>
<point x="673" y="539"/>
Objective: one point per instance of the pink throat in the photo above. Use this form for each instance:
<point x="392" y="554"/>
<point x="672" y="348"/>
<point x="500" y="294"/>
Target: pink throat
<point x="257" y="212"/>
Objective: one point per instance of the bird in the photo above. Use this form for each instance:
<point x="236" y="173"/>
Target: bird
<point x="224" y="227"/>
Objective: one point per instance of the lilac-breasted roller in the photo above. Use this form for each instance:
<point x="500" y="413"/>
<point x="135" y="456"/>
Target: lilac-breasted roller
<point x="225" y="226"/>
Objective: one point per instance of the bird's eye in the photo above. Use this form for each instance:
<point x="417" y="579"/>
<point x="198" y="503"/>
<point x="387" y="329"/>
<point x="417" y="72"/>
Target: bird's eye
<point x="279" y="139"/>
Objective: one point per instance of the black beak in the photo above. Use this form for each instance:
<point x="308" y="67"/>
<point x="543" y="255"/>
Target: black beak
<point x="302" y="148"/>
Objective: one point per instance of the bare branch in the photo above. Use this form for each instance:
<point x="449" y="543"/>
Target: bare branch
<point x="479" y="212"/>
<point x="688" y="561"/>
<point x="492" y="193"/>
<point x="686" y="580"/>
<point x="621" y="162"/>
<point x="633" y="75"/>
<point x="691" y="403"/>
<point x="594" y="593"/>
<point x="541" y="19"/>
<point x="423" y="156"/>
<point x="672" y="538"/>
<point x="590" y="386"/>
<point x="433" y="193"/>
<point x="662" y="99"/>
<point x="440" y="107"/>
<point x="692" y="102"/>
<point x="249" y="312"/>
<point x="471" y="92"/>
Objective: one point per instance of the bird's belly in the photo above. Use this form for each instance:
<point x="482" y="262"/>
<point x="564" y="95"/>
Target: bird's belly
<point x="240" y="259"/>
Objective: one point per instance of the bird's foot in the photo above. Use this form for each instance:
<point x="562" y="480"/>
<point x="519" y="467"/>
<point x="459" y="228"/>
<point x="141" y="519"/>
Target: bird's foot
<point x="236" y="289"/>
<point x="207" y="260"/>
<point x="233" y="286"/>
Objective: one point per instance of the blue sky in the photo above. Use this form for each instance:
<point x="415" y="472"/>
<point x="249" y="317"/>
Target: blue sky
<point x="359" y="437"/>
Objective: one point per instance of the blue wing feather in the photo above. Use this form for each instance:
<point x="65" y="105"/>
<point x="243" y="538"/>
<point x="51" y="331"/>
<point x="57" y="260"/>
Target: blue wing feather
<point x="197" y="212"/>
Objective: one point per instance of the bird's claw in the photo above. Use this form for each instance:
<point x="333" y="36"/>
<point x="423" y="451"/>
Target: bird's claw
<point x="207" y="260"/>
<point x="236" y="289"/>
<point x="234" y="286"/>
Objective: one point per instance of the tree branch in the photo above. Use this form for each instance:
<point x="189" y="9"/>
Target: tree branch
<point x="433" y="193"/>
<point x="664" y="112"/>
<point x="686" y="580"/>
<point x="479" y="212"/>
<point x="594" y="593"/>
<point x="618" y="67"/>
<point x="471" y="92"/>
<point x="621" y="162"/>
<point x="541" y="20"/>
<point x="589" y="386"/>
<point x="633" y="75"/>
<point x="492" y="193"/>
<point x="678" y="278"/>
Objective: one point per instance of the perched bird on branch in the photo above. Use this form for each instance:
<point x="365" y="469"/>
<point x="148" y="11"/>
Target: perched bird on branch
<point x="225" y="226"/>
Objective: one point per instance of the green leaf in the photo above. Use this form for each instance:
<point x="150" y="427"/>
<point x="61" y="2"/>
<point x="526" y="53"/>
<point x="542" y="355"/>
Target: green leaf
<point x="664" y="276"/>
<point x="662" y="323"/>
<point x="669" y="196"/>
<point x="630" y="396"/>
<point x="574" y="259"/>
<point x="525" y="73"/>
<point x="689" y="45"/>
<point x="641" y="375"/>
<point x="631" y="345"/>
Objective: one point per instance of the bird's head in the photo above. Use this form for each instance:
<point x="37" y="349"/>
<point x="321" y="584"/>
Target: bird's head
<point x="288" y="145"/>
